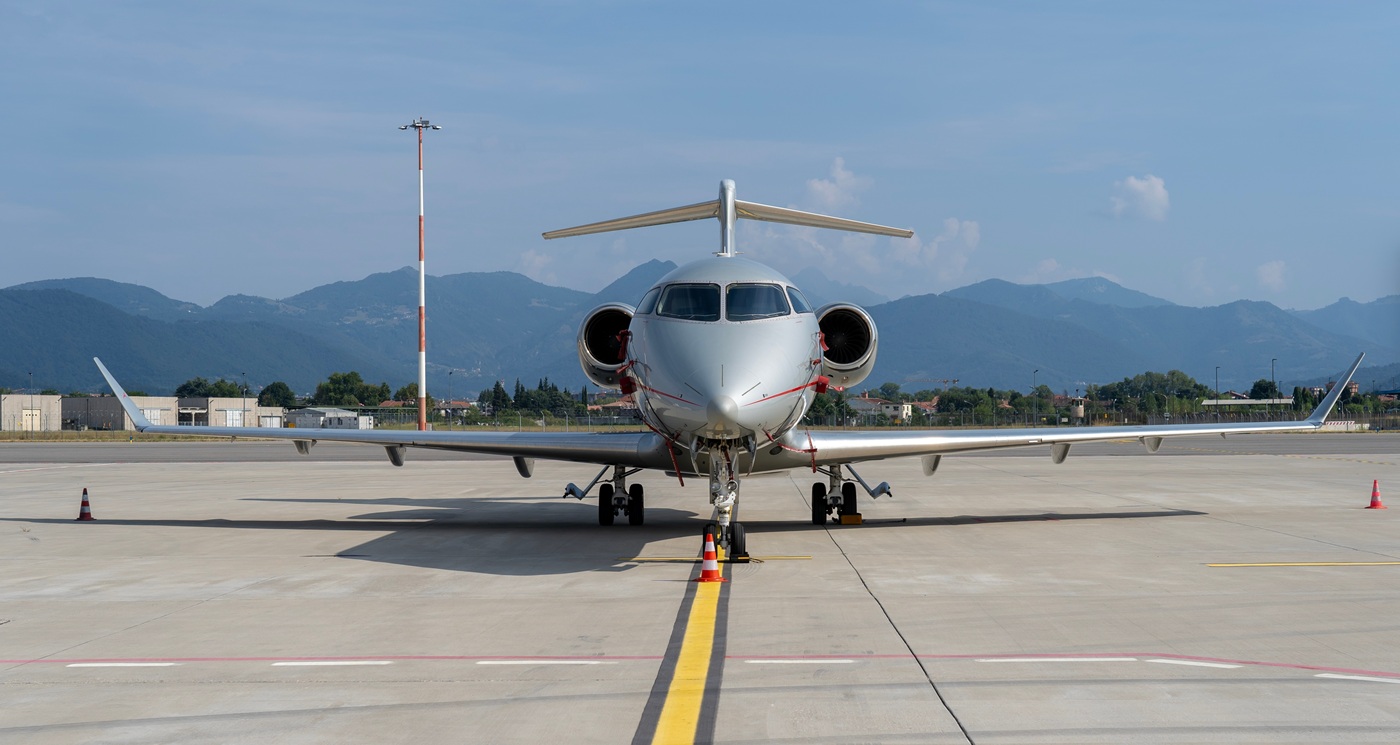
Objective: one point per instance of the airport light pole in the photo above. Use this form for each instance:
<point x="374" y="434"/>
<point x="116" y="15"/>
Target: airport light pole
<point x="1217" y="394"/>
<point x="1035" y="399"/>
<point x="1273" y="383"/>
<point x="421" y="124"/>
<point x="448" y="409"/>
<point x="29" y="423"/>
<point x="245" y="400"/>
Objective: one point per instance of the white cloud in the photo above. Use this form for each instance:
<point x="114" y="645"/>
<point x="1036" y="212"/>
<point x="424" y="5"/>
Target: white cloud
<point x="538" y="266"/>
<point x="1144" y="197"/>
<point x="948" y="252"/>
<point x="838" y="191"/>
<point x="1270" y="275"/>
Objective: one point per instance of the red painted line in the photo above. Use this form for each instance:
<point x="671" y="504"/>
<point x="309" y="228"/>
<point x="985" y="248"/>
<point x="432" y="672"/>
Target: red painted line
<point x="294" y="658"/>
<point x="649" y="658"/>
<point x="1191" y="658"/>
<point x="649" y="389"/>
<point x="784" y="393"/>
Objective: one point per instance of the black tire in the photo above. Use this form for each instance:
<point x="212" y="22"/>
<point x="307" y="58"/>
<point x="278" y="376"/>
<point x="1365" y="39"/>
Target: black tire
<point x="738" y="544"/>
<point x="636" y="505"/>
<point x="819" y="506"/>
<point x="848" y="499"/>
<point x="605" y="504"/>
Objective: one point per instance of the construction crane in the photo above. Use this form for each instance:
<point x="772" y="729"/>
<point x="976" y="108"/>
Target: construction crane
<point x="944" y="381"/>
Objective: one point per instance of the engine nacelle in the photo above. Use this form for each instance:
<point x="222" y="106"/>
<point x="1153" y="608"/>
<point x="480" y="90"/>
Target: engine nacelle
<point x="602" y="343"/>
<point x="850" y="337"/>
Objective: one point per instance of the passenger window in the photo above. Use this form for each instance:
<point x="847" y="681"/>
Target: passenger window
<point x="751" y="302"/>
<point x="799" y="303"/>
<point x="648" y="303"/>
<point x="690" y="302"/>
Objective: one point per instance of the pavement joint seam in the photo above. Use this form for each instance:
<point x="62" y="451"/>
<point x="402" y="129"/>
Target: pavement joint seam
<point x="917" y="660"/>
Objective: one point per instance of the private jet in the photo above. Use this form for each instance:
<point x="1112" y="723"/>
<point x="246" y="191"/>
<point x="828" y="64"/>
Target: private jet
<point x="723" y="357"/>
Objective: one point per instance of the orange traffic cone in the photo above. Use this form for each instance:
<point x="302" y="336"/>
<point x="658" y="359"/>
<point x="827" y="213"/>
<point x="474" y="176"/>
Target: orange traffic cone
<point x="85" y="512"/>
<point x="709" y="567"/>
<point x="1375" y="496"/>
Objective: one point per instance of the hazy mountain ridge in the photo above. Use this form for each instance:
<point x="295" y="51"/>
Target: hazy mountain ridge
<point x="502" y="325"/>
<point x="1377" y="321"/>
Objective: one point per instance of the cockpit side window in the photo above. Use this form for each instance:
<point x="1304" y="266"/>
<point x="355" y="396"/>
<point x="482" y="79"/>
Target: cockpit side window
<point x="799" y="303"/>
<point x="648" y="303"/>
<point x="691" y="302"/>
<point x="748" y="302"/>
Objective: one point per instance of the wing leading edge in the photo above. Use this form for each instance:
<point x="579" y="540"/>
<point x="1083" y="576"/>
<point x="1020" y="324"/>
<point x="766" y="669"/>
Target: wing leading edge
<point x="632" y="449"/>
<point x="853" y="447"/>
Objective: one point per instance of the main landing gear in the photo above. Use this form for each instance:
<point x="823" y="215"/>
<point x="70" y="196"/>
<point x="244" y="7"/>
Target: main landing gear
<point x="615" y="497"/>
<point x="612" y="501"/>
<point x="838" y="497"/>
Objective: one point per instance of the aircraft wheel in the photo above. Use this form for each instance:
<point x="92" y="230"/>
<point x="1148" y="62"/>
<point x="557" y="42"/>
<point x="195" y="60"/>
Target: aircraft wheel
<point x="848" y="499"/>
<point x="738" y="545"/>
<point x="819" y="505"/>
<point x="636" y="505"/>
<point x="606" y="513"/>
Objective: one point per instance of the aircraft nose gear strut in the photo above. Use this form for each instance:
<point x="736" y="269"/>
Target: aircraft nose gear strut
<point x="724" y="495"/>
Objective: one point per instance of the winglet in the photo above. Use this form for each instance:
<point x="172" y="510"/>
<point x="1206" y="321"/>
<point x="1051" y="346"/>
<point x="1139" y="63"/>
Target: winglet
<point x="1319" y="414"/>
<point x="137" y="418"/>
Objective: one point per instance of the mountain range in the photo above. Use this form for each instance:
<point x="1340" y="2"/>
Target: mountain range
<point x="484" y="327"/>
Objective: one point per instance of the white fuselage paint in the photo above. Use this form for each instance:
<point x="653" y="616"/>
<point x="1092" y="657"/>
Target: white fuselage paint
<point x="724" y="380"/>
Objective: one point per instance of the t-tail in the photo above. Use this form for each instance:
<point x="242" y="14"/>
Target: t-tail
<point x="727" y="210"/>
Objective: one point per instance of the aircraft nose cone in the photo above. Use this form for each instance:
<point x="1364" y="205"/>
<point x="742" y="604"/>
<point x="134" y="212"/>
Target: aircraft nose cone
<point x="722" y="412"/>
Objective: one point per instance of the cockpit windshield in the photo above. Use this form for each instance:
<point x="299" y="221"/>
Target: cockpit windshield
<point x="698" y="302"/>
<point x="748" y="302"/>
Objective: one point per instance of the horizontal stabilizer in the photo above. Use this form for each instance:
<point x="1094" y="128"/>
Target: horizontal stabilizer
<point x="748" y="210"/>
<point x="727" y="209"/>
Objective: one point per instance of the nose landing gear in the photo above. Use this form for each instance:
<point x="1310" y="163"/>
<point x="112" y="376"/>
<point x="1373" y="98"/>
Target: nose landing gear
<point x="724" y="495"/>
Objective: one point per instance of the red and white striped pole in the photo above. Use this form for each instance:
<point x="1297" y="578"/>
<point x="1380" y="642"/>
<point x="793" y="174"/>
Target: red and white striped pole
<point x="421" y="124"/>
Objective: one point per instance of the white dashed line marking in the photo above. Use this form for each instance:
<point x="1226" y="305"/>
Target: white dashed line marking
<point x="124" y="664"/>
<point x="330" y="663"/>
<point x="1194" y="663"/>
<point x="1060" y="659"/>
<point x="1358" y="677"/>
<point x="799" y="662"/>
<point x="546" y="662"/>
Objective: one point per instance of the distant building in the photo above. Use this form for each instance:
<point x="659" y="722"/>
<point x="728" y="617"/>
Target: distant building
<point x="106" y="412"/>
<point x="327" y="418"/>
<point x="868" y="405"/>
<point x="26" y="412"/>
<point x="229" y="412"/>
<point x="927" y="408"/>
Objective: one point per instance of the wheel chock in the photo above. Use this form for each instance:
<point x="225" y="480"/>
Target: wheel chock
<point x="852" y="518"/>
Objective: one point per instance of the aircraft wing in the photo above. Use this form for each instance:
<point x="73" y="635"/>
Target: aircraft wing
<point x="633" y="449"/>
<point x="838" y="446"/>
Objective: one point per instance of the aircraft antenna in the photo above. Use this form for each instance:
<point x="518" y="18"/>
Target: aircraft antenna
<point x="421" y="124"/>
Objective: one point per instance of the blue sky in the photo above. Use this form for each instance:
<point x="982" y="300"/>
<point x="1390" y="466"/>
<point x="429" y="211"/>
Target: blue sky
<point x="1200" y="152"/>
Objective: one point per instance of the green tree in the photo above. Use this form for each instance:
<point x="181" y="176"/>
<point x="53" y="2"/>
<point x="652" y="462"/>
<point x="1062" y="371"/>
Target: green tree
<point x="201" y="388"/>
<point x="349" y="389"/>
<point x="494" y="400"/>
<point x="193" y="388"/>
<point x="225" y="389"/>
<point x="277" y="393"/>
<point x="1263" y="388"/>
